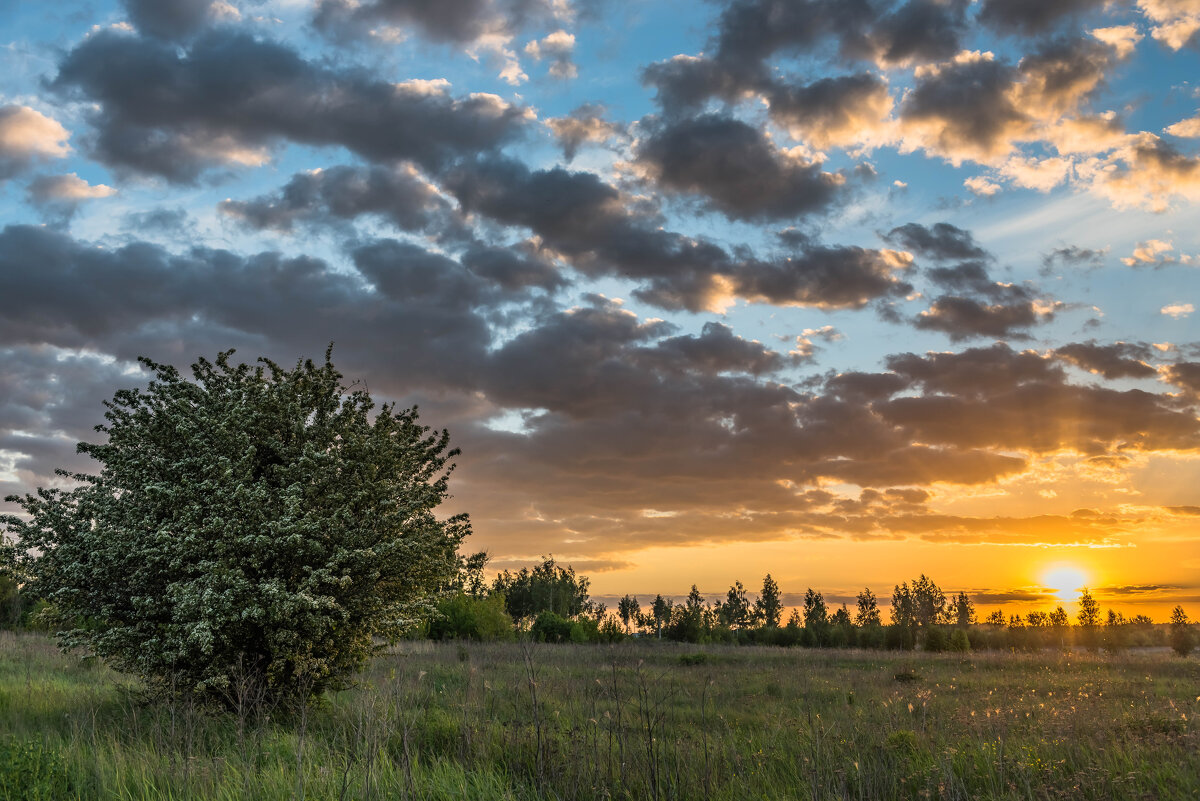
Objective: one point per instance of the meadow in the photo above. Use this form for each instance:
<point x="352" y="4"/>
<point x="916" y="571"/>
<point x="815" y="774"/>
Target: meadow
<point x="634" y="720"/>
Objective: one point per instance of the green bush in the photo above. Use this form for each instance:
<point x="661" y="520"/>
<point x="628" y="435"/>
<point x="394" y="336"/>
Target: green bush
<point x="465" y="618"/>
<point x="251" y="525"/>
<point x="551" y="627"/>
<point x="959" y="641"/>
<point x="31" y="771"/>
<point x="936" y="640"/>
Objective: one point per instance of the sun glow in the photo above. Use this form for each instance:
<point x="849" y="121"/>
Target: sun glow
<point x="1065" y="580"/>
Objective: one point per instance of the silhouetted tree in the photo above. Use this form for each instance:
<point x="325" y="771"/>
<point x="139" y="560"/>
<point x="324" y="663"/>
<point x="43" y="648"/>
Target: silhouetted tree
<point x="929" y="602"/>
<point x="816" y="616"/>
<point x="1089" y="610"/>
<point x="841" y="628"/>
<point x="769" y="606"/>
<point x="1183" y="639"/>
<point x="868" y="610"/>
<point x="660" y="613"/>
<point x="735" y="611"/>
<point x="964" y="610"/>
<point x="1088" y="617"/>
<point x="628" y="610"/>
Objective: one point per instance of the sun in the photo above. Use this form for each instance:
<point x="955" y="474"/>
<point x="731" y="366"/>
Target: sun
<point x="1065" y="580"/>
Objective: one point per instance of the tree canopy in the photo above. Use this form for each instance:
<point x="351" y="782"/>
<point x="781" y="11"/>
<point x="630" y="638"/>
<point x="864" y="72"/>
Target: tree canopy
<point x="248" y="523"/>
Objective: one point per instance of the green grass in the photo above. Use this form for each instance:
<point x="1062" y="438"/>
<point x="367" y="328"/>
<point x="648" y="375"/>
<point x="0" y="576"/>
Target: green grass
<point x="631" y="721"/>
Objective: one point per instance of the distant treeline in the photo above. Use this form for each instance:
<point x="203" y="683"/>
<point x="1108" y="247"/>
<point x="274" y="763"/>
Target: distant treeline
<point x="551" y="603"/>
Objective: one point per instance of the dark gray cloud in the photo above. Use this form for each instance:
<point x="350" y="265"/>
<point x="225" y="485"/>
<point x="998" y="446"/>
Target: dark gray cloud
<point x="169" y="20"/>
<point x="941" y="241"/>
<point x="1033" y="16"/>
<point x="1185" y="375"/>
<point x="749" y="32"/>
<point x="457" y="21"/>
<point x="968" y="107"/>
<point x="973" y="304"/>
<point x="1118" y="360"/>
<point x="228" y="98"/>
<point x="919" y="30"/>
<point x="838" y="110"/>
<point x="141" y="299"/>
<point x="832" y="277"/>
<point x="399" y="194"/>
<point x="718" y="350"/>
<point x="1073" y="256"/>
<point x="997" y="398"/>
<point x="736" y="169"/>
<point x="161" y="220"/>
<point x="601" y="232"/>
<point x="966" y="318"/>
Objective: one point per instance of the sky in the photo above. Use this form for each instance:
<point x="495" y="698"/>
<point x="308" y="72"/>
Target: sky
<point x="843" y="291"/>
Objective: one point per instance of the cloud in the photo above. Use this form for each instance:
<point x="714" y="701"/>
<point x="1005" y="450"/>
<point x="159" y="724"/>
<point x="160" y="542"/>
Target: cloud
<point x="1152" y="252"/>
<point x="142" y="299"/>
<point x="964" y="109"/>
<point x="1031" y="16"/>
<point x="1185" y="375"/>
<point x="1177" y="310"/>
<point x="401" y="194"/>
<point x="229" y="98"/>
<point x="585" y="124"/>
<point x="174" y="20"/>
<point x="590" y="224"/>
<point x="841" y="111"/>
<point x="976" y="306"/>
<point x="1122" y="38"/>
<point x="736" y="168"/>
<point x="26" y="136"/>
<point x="556" y="48"/>
<point x="984" y="397"/>
<point x="1118" y="360"/>
<point x="460" y="22"/>
<point x="1073" y="255"/>
<point x="1148" y="172"/>
<point x="69" y="188"/>
<point x="978" y="185"/>
<point x="619" y="414"/>
<point x="941" y="241"/>
<point x="1188" y="128"/>
<point x="1176" y="21"/>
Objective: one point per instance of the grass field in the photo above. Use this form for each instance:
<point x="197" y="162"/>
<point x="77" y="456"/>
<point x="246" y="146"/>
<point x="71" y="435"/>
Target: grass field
<point x="636" y="721"/>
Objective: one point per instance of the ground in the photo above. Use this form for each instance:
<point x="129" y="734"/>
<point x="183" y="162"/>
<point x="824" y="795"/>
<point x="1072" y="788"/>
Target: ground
<point x="633" y="720"/>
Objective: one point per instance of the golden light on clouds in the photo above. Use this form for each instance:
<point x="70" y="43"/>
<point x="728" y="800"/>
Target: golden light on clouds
<point x="1066" y="580"/>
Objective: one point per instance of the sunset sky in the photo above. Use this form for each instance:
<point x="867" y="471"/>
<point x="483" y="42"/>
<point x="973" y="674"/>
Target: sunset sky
<point x="840" y="290"/>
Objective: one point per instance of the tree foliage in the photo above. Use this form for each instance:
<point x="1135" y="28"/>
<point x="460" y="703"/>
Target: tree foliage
<point x="769" y="606"/>
<point x="548" y="587"/>
<point x="250" y="520"/>
<point x="1183" y="639"/>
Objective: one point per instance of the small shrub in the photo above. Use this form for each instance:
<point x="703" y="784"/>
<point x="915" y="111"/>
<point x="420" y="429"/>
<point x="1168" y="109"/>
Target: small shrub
<point x="551" y="627"/>
<point x="31" y="771"/>
<point x="936" y="640"/>
<point x="906" y="676"/>
<point x="960" y="642"/>
<point x="902" y="741"/>
<point x="692" y="660"/>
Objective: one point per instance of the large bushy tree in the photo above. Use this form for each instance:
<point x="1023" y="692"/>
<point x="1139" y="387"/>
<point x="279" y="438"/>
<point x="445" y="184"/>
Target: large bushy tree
<point x="250" y="524"/>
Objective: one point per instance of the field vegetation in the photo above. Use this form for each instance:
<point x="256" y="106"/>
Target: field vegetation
<point x="633" y="720"/>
